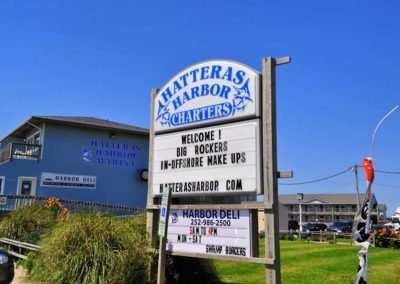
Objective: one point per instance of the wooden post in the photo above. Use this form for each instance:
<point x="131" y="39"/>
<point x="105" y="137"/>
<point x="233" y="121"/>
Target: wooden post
<point x="254" y="232"/>
<point x="270" y="180"/>
<point x="151" y="215"/>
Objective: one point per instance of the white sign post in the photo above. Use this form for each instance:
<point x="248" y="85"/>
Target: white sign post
<point x="162" y="229"/>
<point x="162" y="224"/>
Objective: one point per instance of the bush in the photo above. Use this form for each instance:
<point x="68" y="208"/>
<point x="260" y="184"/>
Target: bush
<point x="387" y="238"/>
<point x="28" y="223"/>
<point x="28" y="262"/>
<point x="94" y="249"/>
<point x="289" y="237"/>
<point x="190" y="270"/>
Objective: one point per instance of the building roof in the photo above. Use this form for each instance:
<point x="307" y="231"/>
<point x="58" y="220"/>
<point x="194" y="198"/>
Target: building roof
<point x="79" y="121"/>
<point x="344" y="198"/>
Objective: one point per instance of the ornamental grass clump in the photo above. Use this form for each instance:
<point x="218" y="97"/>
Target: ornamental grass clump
<point x="30" y="222"/>
<point x="93" y="249"/>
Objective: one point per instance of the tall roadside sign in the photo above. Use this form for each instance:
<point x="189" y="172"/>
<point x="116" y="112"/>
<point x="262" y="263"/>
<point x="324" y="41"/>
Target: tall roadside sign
<point x="213" y="133"/>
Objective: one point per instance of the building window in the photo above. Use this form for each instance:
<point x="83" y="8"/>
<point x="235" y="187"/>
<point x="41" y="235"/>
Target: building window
<point x="34" y="139"/>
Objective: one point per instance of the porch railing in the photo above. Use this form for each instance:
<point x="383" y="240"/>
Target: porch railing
<point x="15" y="150"/>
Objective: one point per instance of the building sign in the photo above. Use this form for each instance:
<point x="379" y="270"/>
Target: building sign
<point x="67" y="181"/>
<point x="3" y="200"/>
<point x="213" y="160"/>
<point x="207" y="231"/>
<point x="111" y="153"/>
<point x="206" y="92"/>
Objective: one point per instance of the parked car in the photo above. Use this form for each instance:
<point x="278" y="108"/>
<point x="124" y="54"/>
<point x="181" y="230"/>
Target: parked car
<point x="341" y="227"/>
<point x="293" y="225"/>
<point x="6" y="267"/>
<point x="313" y="227"/>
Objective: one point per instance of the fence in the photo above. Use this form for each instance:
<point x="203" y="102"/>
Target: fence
<point x="17" y="248"/>
<point x="319" y="236"/>
<point x="10" y="202"/>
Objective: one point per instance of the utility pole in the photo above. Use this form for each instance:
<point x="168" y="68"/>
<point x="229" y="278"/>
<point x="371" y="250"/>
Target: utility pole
<point x="354" y="169"/>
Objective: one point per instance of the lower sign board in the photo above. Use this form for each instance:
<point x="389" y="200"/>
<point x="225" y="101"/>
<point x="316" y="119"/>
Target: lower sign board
<point x="210" y="232"/>
<point x="221" y="159"/>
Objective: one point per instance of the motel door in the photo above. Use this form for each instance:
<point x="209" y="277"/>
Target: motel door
<point x="26" y="186"/>
<point x="2" y="185"/>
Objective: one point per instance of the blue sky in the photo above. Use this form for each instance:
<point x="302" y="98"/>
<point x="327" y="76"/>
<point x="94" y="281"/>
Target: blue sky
<point x="102" y="58"/>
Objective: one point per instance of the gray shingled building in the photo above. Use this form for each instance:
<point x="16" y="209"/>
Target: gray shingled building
<point x="327" y="208"/>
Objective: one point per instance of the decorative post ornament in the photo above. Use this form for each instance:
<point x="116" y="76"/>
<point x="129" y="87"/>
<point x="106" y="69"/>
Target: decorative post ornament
<point x="362" y="221"/>
<point x="362" y="224"/>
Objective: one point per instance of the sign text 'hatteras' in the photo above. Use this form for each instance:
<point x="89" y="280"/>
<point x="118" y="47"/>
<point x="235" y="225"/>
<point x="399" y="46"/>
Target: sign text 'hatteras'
<point x="205" y="92"/>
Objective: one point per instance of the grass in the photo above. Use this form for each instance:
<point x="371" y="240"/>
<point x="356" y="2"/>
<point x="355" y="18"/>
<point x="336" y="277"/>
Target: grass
<point x="29" y="223"/>
<point x="92" y="248"/>
<point x="304" y="262"/>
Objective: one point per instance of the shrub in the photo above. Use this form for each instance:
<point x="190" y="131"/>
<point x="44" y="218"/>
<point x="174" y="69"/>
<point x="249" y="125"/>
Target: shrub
<point x="387" y="238"/>
<point x="94" y="249"/>
<point x="28" y="223"/>
<point x="190" y="270"/>
<point x="289" y="237"/>
<point x="28" y="262"/>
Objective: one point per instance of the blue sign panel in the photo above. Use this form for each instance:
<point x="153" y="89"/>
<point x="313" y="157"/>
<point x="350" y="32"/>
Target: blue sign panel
<point x="207" y="92"/>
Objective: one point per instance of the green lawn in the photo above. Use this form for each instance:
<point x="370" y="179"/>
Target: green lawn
<point x="304" y="262"/>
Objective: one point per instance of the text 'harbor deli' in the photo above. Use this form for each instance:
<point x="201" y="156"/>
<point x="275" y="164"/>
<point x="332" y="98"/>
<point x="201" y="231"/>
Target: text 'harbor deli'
<point x="210" y="231"/>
